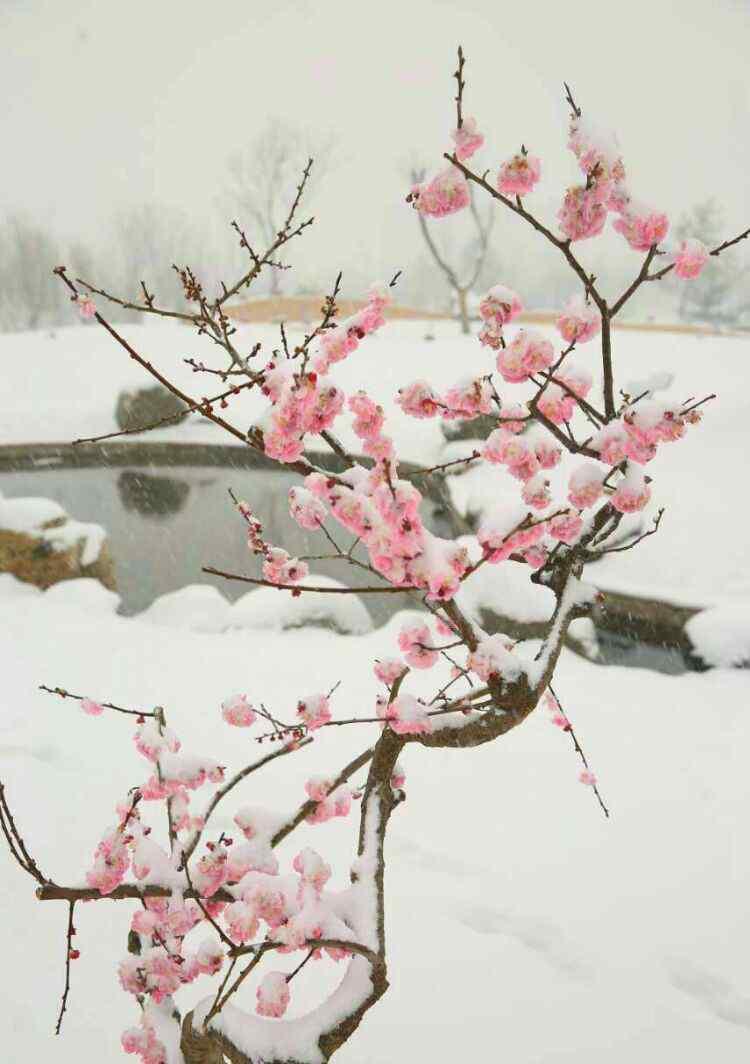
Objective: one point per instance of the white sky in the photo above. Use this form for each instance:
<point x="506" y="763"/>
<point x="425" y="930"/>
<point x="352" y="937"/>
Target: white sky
<point x="106" y="103"/>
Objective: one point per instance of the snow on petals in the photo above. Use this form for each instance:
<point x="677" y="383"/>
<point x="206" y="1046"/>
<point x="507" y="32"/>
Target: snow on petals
<point x="314" y="711"/>
<point x="308" y="511"/>
<point x="690" y="258"/>
<point x="580" y="321"/>
<point x="272" y="995"/>
<point x="641" y="226"/>
<point x="518" y="175"/>
<point x="500" y="305"/>
<point x="415" y="641"/>
<point x="92" y="709"/>
<point x="406" y="715"/>
<point x="238" y="711"/>
<point x="467" y="139"/>
<point x="632" y="493"/>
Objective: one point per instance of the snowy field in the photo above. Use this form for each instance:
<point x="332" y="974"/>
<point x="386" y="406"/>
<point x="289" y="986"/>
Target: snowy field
<point x="510" y="897"/>
<point x="509" y="894"/>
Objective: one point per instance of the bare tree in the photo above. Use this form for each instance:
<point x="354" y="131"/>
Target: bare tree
<point x="263" y="177"/>
<point x="28" y="298"/>
<point x="461" y="276"/>
<point x="718" y="296"/>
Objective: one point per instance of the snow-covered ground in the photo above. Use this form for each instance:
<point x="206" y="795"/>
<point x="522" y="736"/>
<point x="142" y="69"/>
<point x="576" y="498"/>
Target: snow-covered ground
<point x="522" y="925"/>
<point x="64" y="385"/>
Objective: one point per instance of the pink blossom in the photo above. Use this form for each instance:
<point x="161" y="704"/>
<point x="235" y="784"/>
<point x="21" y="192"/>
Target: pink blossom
<point x="518" y="175"/>
<point x="493" y="658"/>
<point x="587" y="777"/>
<point x="279" y="568"/>
<point x="535" y="556"/>
<point x="93" y="709"/>
<point x="585" y="485"/>
<point x="312" y="869"/>
<point x="491" y="334"/>
<point x="408" y="716"/>
<point x="209" y="957"/>
<point x="241" y="920"/>
<point x="496" y="445"/>
<point x="272" y="995"/>
<point x="469" y="398"/>
<point x="444" y="194"/>
<point x="467" y="139"/>
<point x="418" y="400"/>
<point x="369" y="415"/>
<point x="520" y="458"/>
<point x="529" y="352"/>
<point x="579" y="322"/>
<point x="307" y="510"/>
<point x="314" y="711"/>
<point x="536" y="493"/>
<point x="415" y="641"/>
<point x="86" y="307"/>
<point x="632" y="493"/>
<point x="690" y="259"/>
<point x="556" y="405"/>
<point x="565" y="527"/>
<point x="641" y="226"/>
<point x="238" y="711"/>
<point x="611" y="443"/>
<point x="398" y="777"/>
<point x="548" y="453"/>
<point x="500" y="305"/>
<point x="388" y="670"/>
<point x="582" y="214"/>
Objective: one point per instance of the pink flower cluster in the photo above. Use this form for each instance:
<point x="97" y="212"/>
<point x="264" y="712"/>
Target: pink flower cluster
<point x="584" y="209"/>
<point x="519" y="174"/>
<point x="339" y="342"/>
<point x="499" y="307"/>
<point x="330" y="802"/>
<point x="493" y="659"/>
<point x="445" y="193"/>
<point x="383" y="511"/>
<point x="278" y="566"/>
<point x="143" y="1042"/>
<point x="640" y="429"/>
<point x="529" y="352"/>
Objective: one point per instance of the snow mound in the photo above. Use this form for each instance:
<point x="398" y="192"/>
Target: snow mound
<point x="34" y="516"/>
<point x="275" y="610"/>
<point x="721" y="636"/>
<point x="195" y="608"/>
<point x="85" y="594"/>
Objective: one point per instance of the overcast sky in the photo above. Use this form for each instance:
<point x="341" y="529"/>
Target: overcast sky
<point x="108" y="103"/>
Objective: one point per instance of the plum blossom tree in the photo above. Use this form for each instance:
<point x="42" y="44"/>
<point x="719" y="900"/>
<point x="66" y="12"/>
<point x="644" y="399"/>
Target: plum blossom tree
<point x="243" y="897"/>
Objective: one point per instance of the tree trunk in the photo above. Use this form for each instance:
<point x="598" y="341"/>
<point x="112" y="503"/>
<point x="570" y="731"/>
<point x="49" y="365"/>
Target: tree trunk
<point x="463" y="311"/>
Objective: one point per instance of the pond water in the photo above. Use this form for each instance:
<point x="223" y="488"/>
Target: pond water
<point x="167" y="512"/>
<point x="165" y="522"/>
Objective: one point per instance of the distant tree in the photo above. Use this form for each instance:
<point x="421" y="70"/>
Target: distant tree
<point x="29" y="298"/>
<point x="719" y="296"/>
<point x="462" y="267"/>
<point x="262" y="179"/>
